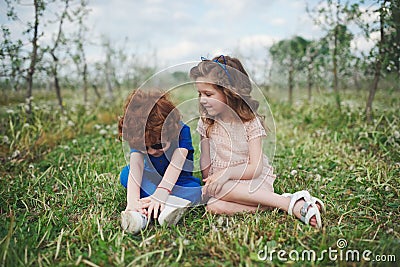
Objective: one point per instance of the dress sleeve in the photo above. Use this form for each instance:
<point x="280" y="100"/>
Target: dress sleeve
<point x="185" y="138"/>
<point x="255" y="129"/>
<point x="201" y="128"/>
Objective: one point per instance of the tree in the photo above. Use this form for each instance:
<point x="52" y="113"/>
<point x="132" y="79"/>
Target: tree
<point x="378" y="60"/>
<point x="332" y="16"/>
<point x="289" y="55"/>
<point x="39" y="6"/>
<point x="52" y="51"/>
<point x="14" y="51"/>
<point x="315" y="60"/>
<point x="79" y="55"/>
<point x="12" y="60"/>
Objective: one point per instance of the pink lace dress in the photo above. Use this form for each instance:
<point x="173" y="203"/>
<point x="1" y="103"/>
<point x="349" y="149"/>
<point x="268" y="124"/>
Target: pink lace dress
<point x="229" y="147"/>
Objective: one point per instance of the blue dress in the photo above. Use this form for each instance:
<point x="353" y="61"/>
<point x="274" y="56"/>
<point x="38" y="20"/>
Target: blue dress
<point x="187" y="186"/>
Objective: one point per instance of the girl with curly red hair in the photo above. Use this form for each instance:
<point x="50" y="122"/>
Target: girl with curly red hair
<point x="159" y="178"/>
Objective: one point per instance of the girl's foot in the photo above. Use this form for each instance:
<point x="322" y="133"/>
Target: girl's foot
<point x="175" y="208"/>
<point x="306" y="208"/>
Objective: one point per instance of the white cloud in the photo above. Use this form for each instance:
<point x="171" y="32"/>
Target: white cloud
<point x="278" y="21"/>
<point x="257" y="40"/>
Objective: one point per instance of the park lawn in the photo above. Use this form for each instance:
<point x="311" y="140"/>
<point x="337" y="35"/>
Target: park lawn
<point x="61" y="200"/>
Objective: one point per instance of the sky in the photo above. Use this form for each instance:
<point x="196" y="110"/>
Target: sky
<point x="165" y="32"/>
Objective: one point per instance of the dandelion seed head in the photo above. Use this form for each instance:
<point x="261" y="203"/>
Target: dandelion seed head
<point x="6" y="140"/>
<point x="15" y="154"/>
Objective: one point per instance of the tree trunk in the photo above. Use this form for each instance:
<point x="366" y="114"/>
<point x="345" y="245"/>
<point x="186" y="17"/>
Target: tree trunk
<point x="309" y="81"/>
<point x="395" y="5"/>
<point x="58" y="89"/>
<point x="378" y="66"/>
<point x="96" y="91"/>
<point x="85" y="90"/>
<point x="335" y="54"/>
<point x="32" y="65"/>
<point x="290" y="81"/>
<point x="335" y="75"/>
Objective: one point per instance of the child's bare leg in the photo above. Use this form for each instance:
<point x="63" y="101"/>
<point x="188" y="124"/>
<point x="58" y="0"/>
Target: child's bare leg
<point x="240" y="193"/>
<point x="217" y="206"/>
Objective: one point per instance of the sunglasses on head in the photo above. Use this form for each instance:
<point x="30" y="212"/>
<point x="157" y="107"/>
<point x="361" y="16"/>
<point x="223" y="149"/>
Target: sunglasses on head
<point x="223" y="66"/>
<point x="157" y="146"/>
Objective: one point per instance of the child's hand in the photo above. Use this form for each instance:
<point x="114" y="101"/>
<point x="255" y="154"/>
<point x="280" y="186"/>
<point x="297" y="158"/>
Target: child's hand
<point x="136" y="205"/>
<point x="155" y="203"/>
<point x="214" y="183"/>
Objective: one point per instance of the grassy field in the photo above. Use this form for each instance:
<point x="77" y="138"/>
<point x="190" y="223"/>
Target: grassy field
<point x="60" y="196"/>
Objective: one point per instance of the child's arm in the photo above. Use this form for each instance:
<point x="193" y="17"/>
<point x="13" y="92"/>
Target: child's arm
<point x="245" y="171"/>
<point x="251" y="169"/>
<point x="205" y="159"/>
<point x="134" y="181"/>
<point x="157" y="200"/>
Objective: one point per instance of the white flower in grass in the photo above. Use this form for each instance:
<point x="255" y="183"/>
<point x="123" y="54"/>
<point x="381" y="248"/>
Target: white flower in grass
<point x="103" y="132"/>
<point x="74" y="141"/>
<point x="293" y="172"/>
<point x="97" y="127"/>
<point x="6" y="140"/>
<point x="26" y="125"/>
<point x="317" y="177"/>
<point x="71" y="123"/>
<point x="31" y="166"/>
<point x="396" y="134"/>
<point x="369" y="189"/>
<point x="387" y="188"/>
<point x="299" y="166"/>
<point x="15" y="154"/>
<point x="10" y="111"/>
<point x="186" y="242"/>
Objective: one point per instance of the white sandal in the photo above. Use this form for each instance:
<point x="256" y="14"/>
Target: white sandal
<point x="315" y="200"/>
<point x="175" y="208"/>
<point x="309" y="209"/>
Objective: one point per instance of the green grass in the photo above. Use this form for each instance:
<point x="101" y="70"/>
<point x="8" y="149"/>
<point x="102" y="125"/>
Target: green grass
<point x="61" y="199"/>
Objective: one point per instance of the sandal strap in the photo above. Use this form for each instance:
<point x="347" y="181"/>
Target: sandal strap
<point x="316" y="200"/>
<point x="296" y="197"/>
<point x="308" y="211"/>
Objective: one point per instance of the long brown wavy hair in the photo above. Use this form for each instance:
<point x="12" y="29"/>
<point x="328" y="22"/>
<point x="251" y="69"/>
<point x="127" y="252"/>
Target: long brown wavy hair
<point x="227" y="75"/>
<point x="149" y="118"/>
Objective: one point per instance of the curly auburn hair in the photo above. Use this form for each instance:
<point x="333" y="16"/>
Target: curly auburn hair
<point x="233" y="82"/>
<point x="149" y="117"/>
